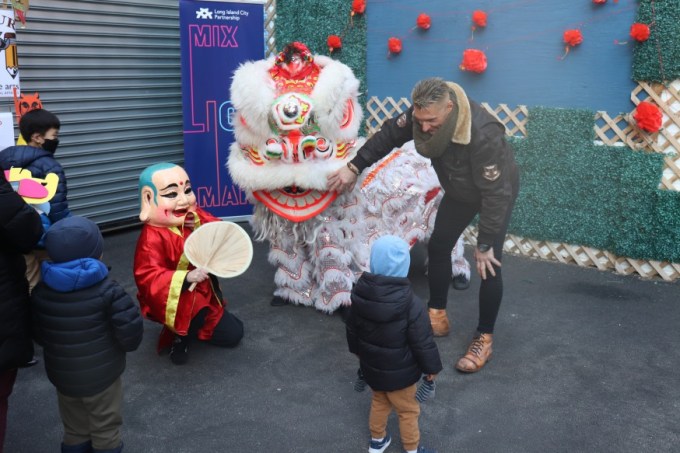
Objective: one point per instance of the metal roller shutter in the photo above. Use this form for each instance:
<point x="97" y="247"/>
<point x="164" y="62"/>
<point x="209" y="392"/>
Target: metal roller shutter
<point x="111" y="71"/>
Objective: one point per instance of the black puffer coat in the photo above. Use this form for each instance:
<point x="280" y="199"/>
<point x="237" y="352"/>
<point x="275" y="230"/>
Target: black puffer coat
<point x="85" y="327"/>
<point x="390" y="331"/>
<point x="40" y="163"/>
<point x="20" y="230"/>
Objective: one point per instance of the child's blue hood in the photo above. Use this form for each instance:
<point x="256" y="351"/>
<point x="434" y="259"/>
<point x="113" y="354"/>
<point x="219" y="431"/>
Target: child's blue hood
<point x="73" y="275"/>
<point x="390" y="256"/>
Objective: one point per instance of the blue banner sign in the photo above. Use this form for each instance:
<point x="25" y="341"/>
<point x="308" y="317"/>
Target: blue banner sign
<point x="216" y="37"/>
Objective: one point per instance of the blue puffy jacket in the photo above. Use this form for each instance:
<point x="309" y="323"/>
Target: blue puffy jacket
<point x="40" y="163"/>
<point x="86" y="323"/>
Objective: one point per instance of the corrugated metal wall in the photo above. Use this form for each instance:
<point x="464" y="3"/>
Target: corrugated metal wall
<point x="111" y="71"/>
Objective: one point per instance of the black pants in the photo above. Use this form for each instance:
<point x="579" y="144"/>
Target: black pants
<point x="452" y="218"/>
<point x="228" y="331"/>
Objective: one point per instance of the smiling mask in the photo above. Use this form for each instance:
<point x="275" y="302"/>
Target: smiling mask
<point x="166" y="195"/>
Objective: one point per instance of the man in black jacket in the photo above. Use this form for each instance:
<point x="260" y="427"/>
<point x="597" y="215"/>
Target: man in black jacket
<point x="20" y="230"/>
<point x="476" y="168"/>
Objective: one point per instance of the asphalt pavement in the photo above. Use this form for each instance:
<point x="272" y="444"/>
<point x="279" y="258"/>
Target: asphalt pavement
<point x="584" y="361"/>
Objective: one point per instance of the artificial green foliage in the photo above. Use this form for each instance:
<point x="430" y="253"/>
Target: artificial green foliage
<point x="312" y="21"/>
<point x="576" y="192"/>
<point x="658" y="58"/>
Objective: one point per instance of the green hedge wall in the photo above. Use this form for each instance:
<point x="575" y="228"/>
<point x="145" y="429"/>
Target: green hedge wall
<point x="576" y="192"/>
<point x="312" y="21"/>
<point x="658" y="58"/>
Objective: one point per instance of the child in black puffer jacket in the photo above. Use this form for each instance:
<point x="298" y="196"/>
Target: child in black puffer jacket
<point x="389" y="329"/>
<point x="85" y="323"/>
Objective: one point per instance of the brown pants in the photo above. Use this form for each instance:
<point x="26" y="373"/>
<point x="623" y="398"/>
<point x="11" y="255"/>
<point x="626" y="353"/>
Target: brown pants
<point x="33" y="262"/>
<point x="404" y="403"/>
<point x="97" y="418"/>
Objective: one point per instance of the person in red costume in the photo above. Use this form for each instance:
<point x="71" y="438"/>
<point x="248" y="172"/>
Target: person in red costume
<point x="163" y="273"/>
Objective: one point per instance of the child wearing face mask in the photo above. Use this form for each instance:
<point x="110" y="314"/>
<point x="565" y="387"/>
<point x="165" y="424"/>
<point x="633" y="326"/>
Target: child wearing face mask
<point x="40" y="130"/>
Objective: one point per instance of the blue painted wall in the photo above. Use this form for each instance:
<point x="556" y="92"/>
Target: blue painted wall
<point x="523" y="43"/>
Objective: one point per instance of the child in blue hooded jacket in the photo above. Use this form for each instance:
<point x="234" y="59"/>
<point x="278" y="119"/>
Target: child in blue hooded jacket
<point x="85" y="323"/>
<point x="389" y="329"/>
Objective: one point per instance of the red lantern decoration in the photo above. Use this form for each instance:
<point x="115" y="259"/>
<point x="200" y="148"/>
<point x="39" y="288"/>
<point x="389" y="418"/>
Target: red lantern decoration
<point x="648" y="117"/>
<point x="572" y="38"/>
<point x="358" y="7"/>
<point x="334" y="43"/>
<point x="473" y="60"/>
<point x="479" y="18"/>
<point x="599" y="2"/>
<point x="394" y="45"/>
<point x="639" y="32"/>
<point x="423" y="21"/>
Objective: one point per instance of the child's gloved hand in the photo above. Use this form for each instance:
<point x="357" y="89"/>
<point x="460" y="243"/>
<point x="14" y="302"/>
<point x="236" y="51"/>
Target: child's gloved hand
<point x="360" y="384"/>
<point x="426" y="389"/>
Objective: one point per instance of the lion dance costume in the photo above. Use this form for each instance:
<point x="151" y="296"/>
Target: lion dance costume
<point x="297" y="120"/>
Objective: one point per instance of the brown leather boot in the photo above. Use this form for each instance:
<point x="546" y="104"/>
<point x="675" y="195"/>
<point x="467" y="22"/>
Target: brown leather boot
<point x="478" y="353"/>
<point x="439" y="321"/>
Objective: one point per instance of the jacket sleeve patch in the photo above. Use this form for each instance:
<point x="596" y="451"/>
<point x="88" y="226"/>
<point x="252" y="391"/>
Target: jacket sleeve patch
<point x="491" y="172"/>
<point x="401" y="121"/>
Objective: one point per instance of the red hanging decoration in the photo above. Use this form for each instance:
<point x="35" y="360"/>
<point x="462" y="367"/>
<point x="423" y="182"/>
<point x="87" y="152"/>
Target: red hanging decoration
<point x="334" y="43"/>
<point x="473" y="60"/>
<point x="358" y="7"/>
<point x="394" y="45"/>
<point x="648" y="117"/>
<point x="423" y="21"/>
<point x="599" y="2"/>
<point x="479" y="20"/>
<point x="572" y="38"/>
<point x="639" y="32"/>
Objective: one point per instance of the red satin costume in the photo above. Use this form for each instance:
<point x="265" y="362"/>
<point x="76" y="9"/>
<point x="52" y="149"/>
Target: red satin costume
<point x="160" y="270"/>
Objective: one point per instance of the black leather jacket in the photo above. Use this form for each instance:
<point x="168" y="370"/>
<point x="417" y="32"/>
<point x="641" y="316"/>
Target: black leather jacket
<point x="483" y="171"/>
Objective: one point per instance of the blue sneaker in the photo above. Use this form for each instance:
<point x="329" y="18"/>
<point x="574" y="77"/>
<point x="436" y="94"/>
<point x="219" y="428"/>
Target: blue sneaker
<point x="422" y="449"/>
<point x="379" y="446"/>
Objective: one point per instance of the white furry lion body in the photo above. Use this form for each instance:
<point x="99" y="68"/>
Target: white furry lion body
<point x="290" y="134"/>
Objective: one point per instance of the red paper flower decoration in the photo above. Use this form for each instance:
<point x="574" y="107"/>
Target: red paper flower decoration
<point x="394" y="45"/>
<point x="479" y="18"/>
<point x="473" y="60"/>
<point x="639" y="32"/>
<point x="358" y="7"/>
<point x="334" y="43"/>
<point x="599" y="2"/>
<point x="573" y="37"/>
<point x="423" y="21"/>
<point x="648" y="116"/>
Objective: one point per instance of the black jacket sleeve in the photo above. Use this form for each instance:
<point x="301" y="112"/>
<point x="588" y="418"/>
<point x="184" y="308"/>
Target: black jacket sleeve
<point x="393" y="133"/>
<point x="421" y="340"/>
<point x="126" y="319"/>
<point x="492" y="177"/>
<point x="20" y="223"/>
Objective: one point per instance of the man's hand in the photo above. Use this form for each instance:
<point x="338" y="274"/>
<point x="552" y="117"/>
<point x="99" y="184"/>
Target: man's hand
<point x="341" y="180"/>
<point x="197" y="276"/>
<point x="485" y="261"/>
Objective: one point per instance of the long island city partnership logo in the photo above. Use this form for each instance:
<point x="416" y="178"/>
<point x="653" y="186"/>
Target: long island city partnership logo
<point x="204" y="13"/>
<point x="221" y="14"/>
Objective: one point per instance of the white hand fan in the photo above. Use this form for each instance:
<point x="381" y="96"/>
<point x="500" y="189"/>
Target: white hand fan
<point x="223" y="249"/>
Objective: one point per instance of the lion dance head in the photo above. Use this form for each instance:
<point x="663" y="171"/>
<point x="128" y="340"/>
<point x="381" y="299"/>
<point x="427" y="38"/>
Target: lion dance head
<point x="297" y="119"/>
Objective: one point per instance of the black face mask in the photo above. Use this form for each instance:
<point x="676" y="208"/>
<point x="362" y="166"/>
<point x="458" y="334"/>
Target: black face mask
<point x="50" y="145"/>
